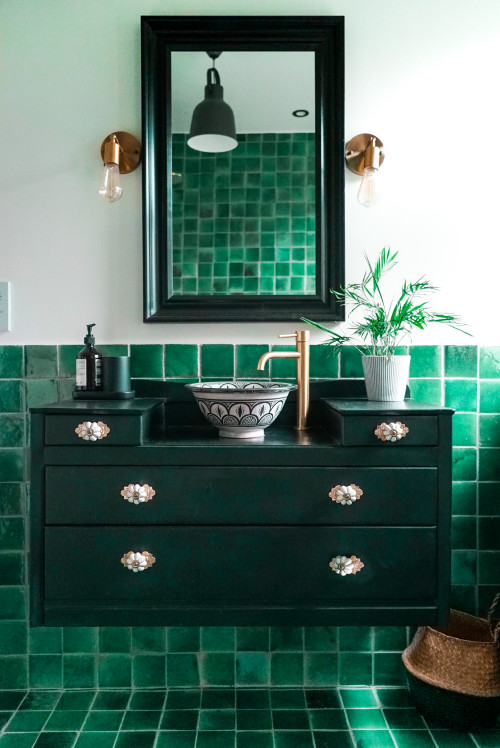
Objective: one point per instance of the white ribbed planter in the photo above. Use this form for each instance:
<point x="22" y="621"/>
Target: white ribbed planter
<point x="386" y="377"/>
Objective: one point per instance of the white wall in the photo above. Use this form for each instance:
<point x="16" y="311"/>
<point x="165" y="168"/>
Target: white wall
<point x="422" y="76"/>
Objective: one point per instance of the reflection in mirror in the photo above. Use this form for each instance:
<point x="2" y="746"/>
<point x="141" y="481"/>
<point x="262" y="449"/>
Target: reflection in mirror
<point x="244" y="220"/>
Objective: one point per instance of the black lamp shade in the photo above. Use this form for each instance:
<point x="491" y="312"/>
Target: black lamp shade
<point x="212" y="127"/>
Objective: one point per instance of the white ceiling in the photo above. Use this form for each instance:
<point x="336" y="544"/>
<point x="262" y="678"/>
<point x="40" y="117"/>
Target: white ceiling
<point x="262" y="88"/>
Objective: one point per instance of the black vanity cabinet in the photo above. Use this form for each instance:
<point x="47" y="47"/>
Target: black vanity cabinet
<point x="345" y="523"/>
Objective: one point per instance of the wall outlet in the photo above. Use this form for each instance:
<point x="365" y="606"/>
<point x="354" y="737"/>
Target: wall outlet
<point x="4" y="306"/>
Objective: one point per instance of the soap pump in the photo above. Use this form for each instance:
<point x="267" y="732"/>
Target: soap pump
<point x="89" y="365"/>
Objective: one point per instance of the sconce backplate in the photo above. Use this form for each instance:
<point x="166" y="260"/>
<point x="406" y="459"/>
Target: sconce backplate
<point x="130" y="151"/>
<point x="355" y="152"/>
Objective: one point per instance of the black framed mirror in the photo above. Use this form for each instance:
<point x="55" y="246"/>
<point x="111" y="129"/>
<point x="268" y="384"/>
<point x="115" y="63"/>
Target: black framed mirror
<point x="247" y="224"/>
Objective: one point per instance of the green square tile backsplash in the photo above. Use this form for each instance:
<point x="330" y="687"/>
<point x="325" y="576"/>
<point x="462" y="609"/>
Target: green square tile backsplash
<point x="465" y="377"/>
<point x="244" y="221"/>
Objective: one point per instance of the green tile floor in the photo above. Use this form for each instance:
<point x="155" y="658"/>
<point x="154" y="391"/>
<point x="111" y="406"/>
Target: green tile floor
<point x="224" y="718"/>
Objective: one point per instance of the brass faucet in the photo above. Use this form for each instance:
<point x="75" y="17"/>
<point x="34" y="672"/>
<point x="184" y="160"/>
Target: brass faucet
<point x="302" y="356"/>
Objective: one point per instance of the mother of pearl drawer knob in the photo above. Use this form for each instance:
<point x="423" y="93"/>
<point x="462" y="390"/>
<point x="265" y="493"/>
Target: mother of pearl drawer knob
<point x="346" y="494"/>
<point x="138" y="561"/>
<point x="345" y="565"/>
<point x="92" y="431"/>
<point x="136" y="494"/>
<point x="391" y="432"/>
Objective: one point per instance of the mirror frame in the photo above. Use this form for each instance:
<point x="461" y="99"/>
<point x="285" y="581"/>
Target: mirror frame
<point x="163" y="34"/>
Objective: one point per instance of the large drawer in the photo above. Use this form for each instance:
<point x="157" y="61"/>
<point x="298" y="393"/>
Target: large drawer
<point x="243" y="565"/>
<point x="359" y="431"/>
<point x="233" y="495"/>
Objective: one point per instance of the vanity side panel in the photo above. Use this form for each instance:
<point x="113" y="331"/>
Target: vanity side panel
<point x="37" y="514"/>
<point x="444" y="518"/>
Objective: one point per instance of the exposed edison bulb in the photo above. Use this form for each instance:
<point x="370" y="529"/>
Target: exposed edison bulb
<point x="368" y="193"/>
<point x="110" y="187"/>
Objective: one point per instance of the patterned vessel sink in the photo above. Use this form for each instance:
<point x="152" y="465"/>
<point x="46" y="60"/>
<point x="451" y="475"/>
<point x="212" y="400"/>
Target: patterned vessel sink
<point x="241" y="409"/>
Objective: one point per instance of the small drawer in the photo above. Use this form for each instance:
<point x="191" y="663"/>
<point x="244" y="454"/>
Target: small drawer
<point x="242" y="565"/>
<point x="93" y="430"/>
<point x="240" y="495"/>
<point x="409" y="431"/>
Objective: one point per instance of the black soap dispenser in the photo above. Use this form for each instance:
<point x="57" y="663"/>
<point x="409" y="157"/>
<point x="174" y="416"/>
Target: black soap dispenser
<point x="89" y="365"/>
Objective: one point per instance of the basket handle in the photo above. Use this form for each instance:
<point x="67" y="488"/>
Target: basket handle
<point x="494" y="619"/>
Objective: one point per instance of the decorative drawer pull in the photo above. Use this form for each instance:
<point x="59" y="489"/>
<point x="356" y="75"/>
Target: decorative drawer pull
<point x="136" y="494"/>
<point x="346" y="494"/>
<point x="138" y="561"/>
<point x="345" y="565"/>
<point x="92" y="431"/>
<point x="391" y="432"/>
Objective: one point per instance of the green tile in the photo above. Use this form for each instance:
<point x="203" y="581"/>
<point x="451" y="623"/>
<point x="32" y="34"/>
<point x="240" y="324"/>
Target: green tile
<point x="218" y="698"/>
<point x="290" y="719"/>
<point x="11" y="465"/>
<point x="217" y="719"/>
<point x="19" y="740"/>
<point x="464" y="429"/>
<point x="323" y="698"/>
<point x="76" y="700"/>
<point x="388" y="669"/>
<point x="12" y="603"/>
<point x="13" y="637"/>
<point x="452" y="739"/>
<point x="11" y="361"/>
<point x="41" y="392"/>
<point x="12" y="569"/>
<point x="425" y="361"/>
<point x="67" y="359"/>
<point x="179" y="719"/>
<point x="113" y="349"/>
<point x="103" y="721"/>
<point x="463" y="567"/>
<point x="41" y="700"/>
<point x="146" y="361"/>
<point x="426" y="391"/>
<point x="149" y="639"/>
<point x="287" y="638"/>
<point x="12" y="533"/>
<point x="489" y="430"/>
<point x="371" y="719"/>
<point x="464" y="463"/>
<point x="252" y="668"/>
<point x="141" y="720"/>
<point x="66" y="388"/>
<point x="148" y="671"/>
<point x="217" y="360"/>
<point x="283" y="368"/>
<point x="355" y="668"/>
<point x="350" y="362"/>
<point x="114" y="639"/>
<point x="111" y="700"/>
<point x="253" y="639"/>
<point x="252" y="698"/>
<point x="332" y="739"/>
<point x="183" y="639"/>
<point x="65" y="719"/>
<point x="11" y="498"/>
<point x="185" y="699"/>
<point x="40" y="361"/>
<point x="28" y="721"/>
<point x="460" y="360"/>
<point x="45" y="640"/>
<point x="355" y="638"/>
<point x="253" y="740"/>
<point x="176" y="739"/>
<point x="413" y="739"/>
<point x="463" y="533"/>
<point x="488" y="565"/>
<point x="489" y="533"/>
<point x="461" y="394"/>
<point x="373" y="739"/>
<point x="328" y="719"/>
<point x="287" y="698"/>
<point x="182" y="670"/>
<point x="464" y="497"/>
<point x="489" y="464"/>
<point x="463" y="597"/>
<point x="217" y="669"/>
<point x="114" y="671"/>
<point x="181" y="361"/>
<point x="254" y="719"/>
<point x="45" y="671"/>
<point x="13" y="672"/>
<point x="489" y="362"/>
<point x="77" y="639"/>
<point x="10" y="700"/>
<point x="247" y="357"/>
<point x="394" y="697"/>
<point x="11" y="430"/>
<point x="96" y="740"/>
<point x="56" y="740"/>
<point x="11" y="396"/>
<point x="218" y="639"/>
<point x="147" y="699"/>
<point x="79" y="671"/>
<point x="489" y="400"/>
<point x="215" y="739"/>
<point x="320" y="638"/>
<point x="358" y="698"/>
<point x="324" y="364"/>
<point x="389" y="638"/>
<point x="404" y="719"/>
<point x="321" y="669"/>
<point x="287" y="668"/>
<point x="489" y="498"/>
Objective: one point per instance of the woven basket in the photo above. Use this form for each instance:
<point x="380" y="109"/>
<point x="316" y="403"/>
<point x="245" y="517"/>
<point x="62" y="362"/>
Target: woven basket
<point x="454" y="671"/>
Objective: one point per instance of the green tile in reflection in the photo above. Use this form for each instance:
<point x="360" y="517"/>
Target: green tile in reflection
<point x="355" y="668"/>
<point x="79" y="671"/>
<point x="489" y="430"/>
<point x="464" y="429"/>
<point x="287" y="668"/>
<point x="10" y="396"/>
<point x="11" y="498"/>
<point x="217" y="668"/>
<point x="489" y="464"/>
<point x="463" y="567"/>
<point x="321" y="669"/>
<point x="464" y="463"/>
<point x="460" y="360"/>
<point x="148" y="671"/>
<point x="461" y="394"/>
<point x="489" y="400"/>
<point x="489" y="362"/>
<point x="252" y="668"/>
<point x="217" y="639"/>
<point x="11" y="361"/>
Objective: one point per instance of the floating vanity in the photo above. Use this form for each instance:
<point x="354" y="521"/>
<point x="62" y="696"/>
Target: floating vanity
<point x="142" y="515"/>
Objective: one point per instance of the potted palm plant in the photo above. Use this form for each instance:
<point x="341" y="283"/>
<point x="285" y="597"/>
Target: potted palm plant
<point x="382" y="326"/>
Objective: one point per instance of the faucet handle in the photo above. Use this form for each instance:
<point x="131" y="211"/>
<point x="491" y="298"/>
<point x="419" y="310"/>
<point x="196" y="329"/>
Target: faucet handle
<point x="288" y="335"/>
<point x="301" y="336"/>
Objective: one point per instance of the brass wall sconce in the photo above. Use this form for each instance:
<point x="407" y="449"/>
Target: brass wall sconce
<point x="121" y="154"/>
<point x="363" y="156"/>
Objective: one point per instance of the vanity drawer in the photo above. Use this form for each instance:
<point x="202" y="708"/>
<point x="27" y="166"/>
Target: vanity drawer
<point x="233" y="495"/>
<point x="107" y="430"/>
<point x="244" y="565"/>
<point x="359" y="431"/>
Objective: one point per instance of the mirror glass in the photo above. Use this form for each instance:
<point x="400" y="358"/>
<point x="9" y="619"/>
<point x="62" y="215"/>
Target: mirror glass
<point x="244" y="220"/>
<point x="253" y="231"/>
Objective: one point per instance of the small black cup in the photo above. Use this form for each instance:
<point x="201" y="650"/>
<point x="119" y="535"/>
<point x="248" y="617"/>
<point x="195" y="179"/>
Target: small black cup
<point x="116" y="374"/>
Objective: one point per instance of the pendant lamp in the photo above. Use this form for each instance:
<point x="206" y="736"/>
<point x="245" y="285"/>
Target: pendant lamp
<point x="212" y="127"/>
